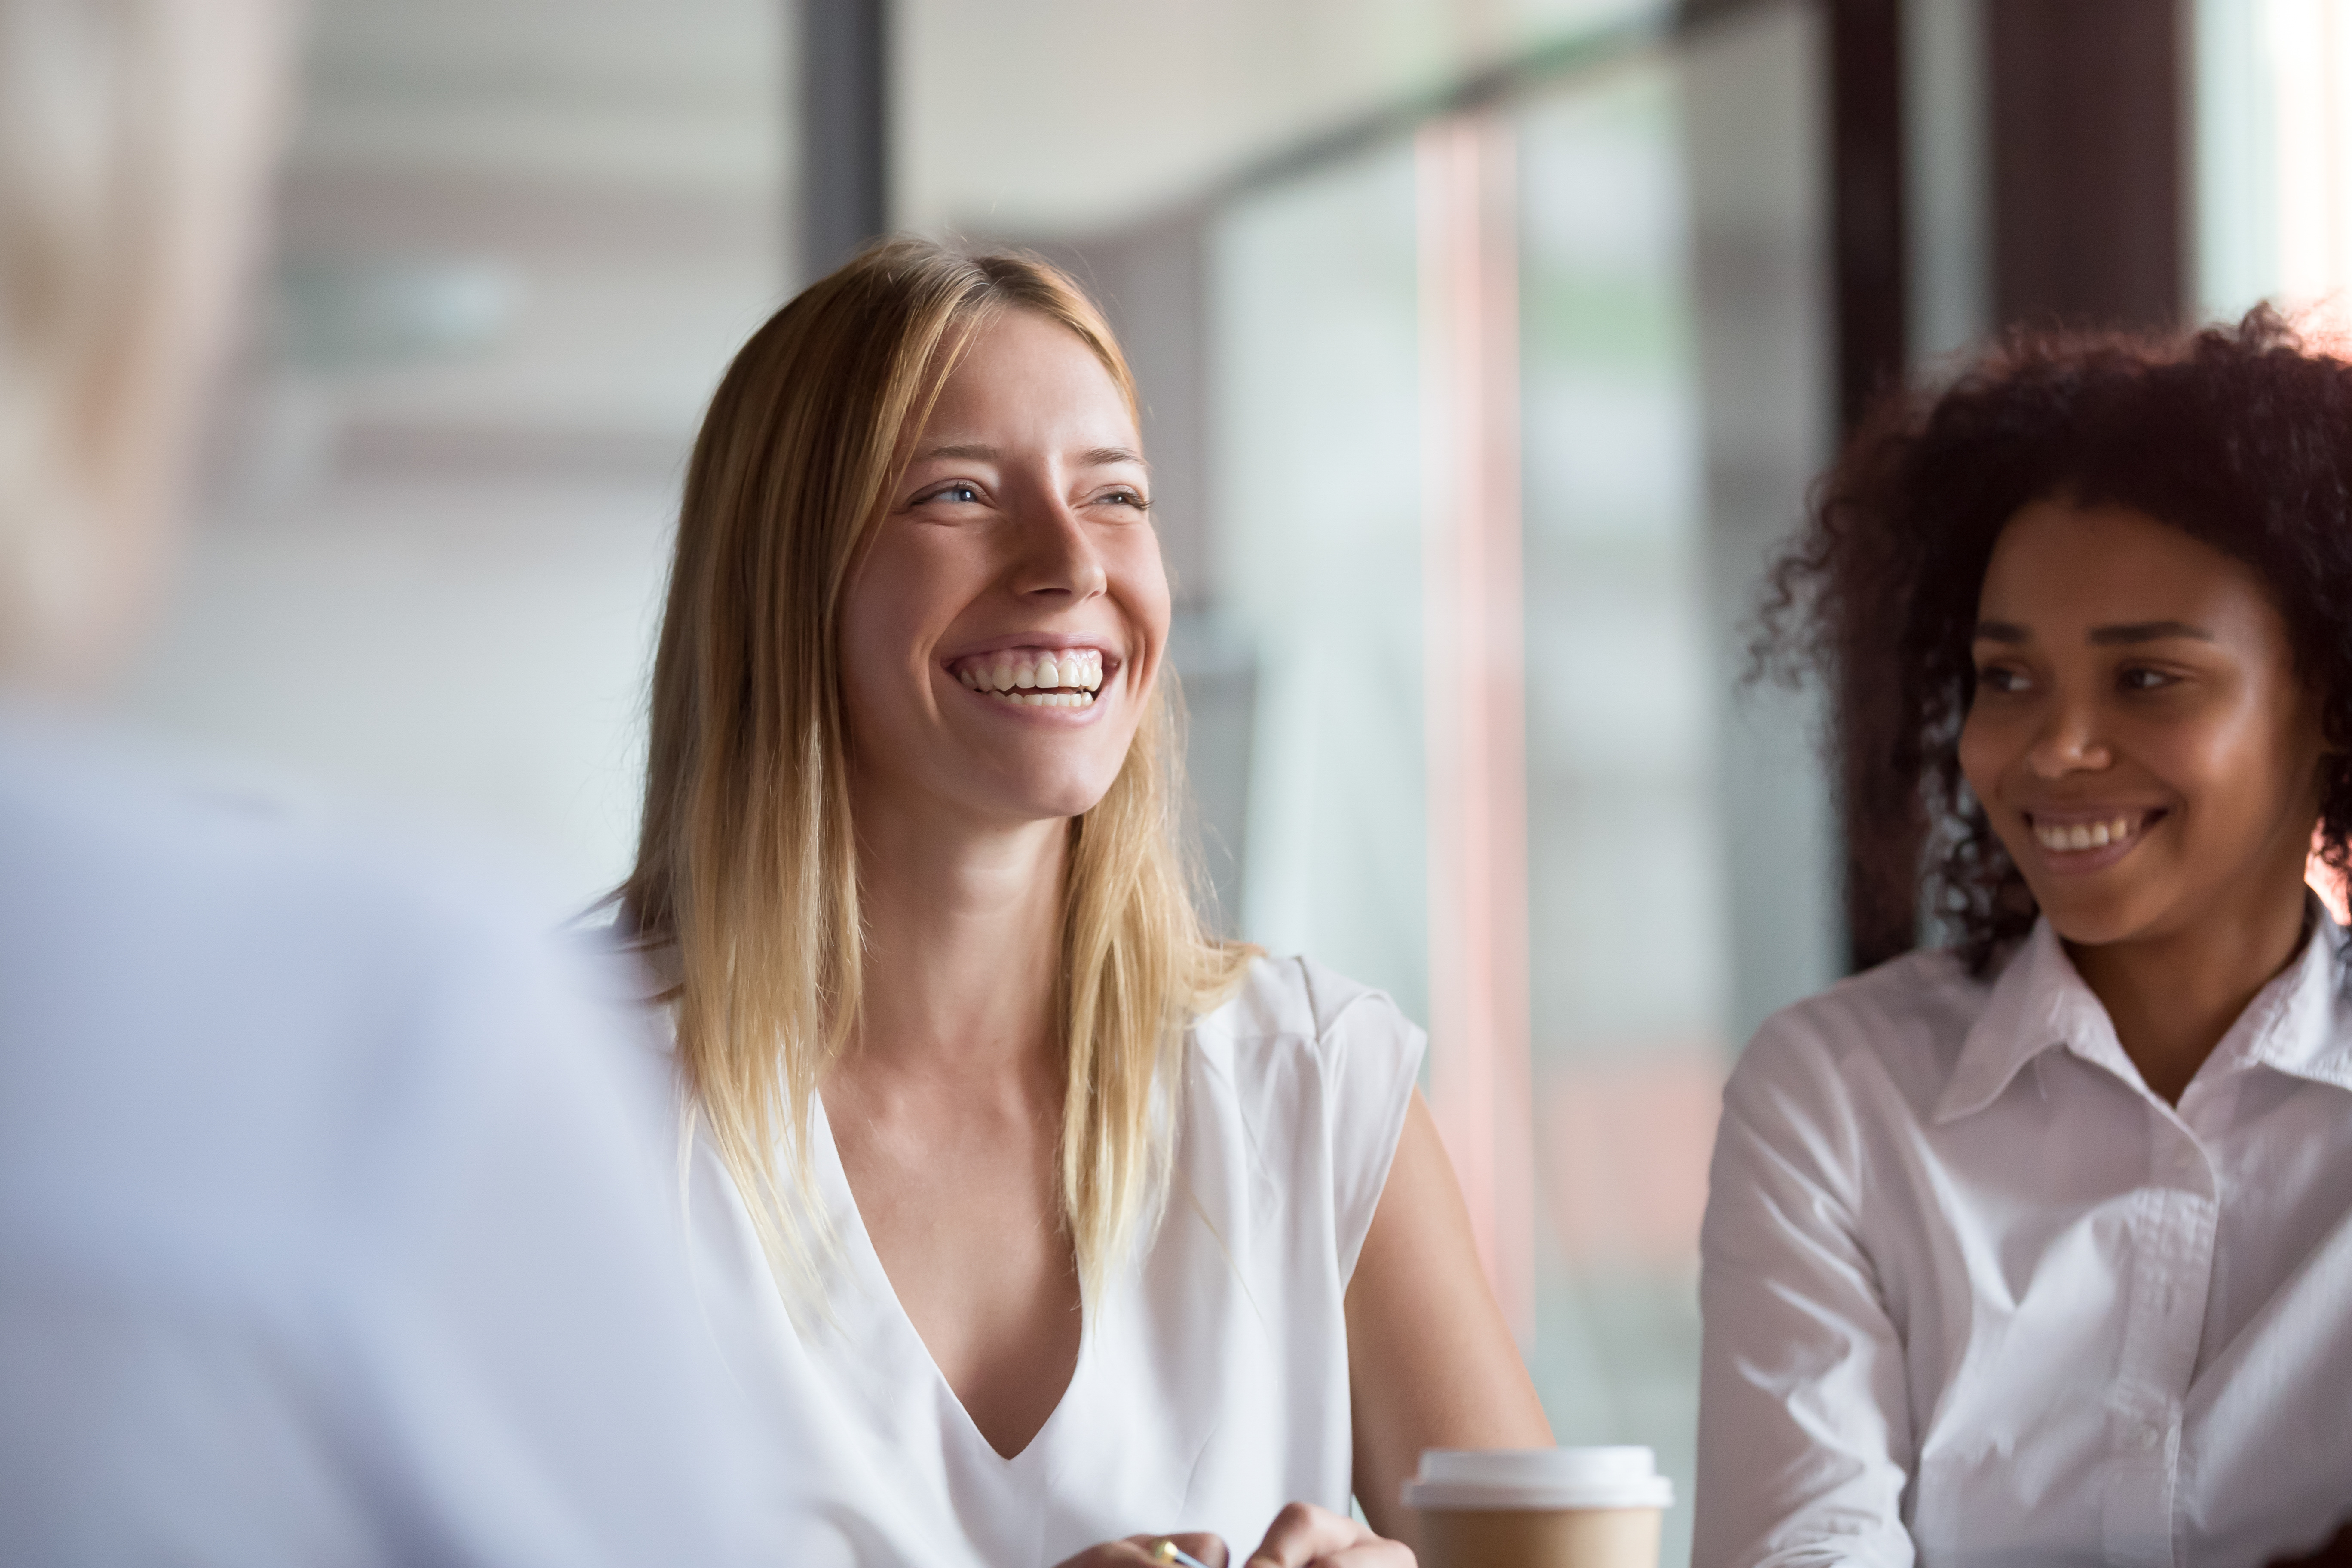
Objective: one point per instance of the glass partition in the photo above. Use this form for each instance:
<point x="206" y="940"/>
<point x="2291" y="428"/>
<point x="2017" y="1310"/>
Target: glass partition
<point x="1505" y="419"/>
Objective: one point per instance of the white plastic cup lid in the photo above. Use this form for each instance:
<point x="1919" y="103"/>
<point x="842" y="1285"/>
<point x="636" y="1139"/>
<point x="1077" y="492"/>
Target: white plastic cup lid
<point x="1538" y="1477"/>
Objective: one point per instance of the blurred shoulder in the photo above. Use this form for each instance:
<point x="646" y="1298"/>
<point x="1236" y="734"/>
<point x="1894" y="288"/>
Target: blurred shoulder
<point x="132" y="842"/>
<point x="229" y="970"/>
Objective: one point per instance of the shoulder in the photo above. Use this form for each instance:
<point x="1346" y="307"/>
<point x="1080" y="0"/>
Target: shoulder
<point x="1299" y="999"/>
<point x="1317" y="1071"/>
<point x="1293" y="1005"/>
<point x="1298" y="1037"/>
<point x="1883" y="1040"/>
<point x="207" y="862"/>
<point x="229" y="971"/>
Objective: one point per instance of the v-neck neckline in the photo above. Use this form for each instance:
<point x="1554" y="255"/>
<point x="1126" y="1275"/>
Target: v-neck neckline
<point x="866" y="1260"/>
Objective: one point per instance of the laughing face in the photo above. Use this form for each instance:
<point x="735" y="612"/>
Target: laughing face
<point x="1003" y="627"/>
<point x="2140" y="736"/>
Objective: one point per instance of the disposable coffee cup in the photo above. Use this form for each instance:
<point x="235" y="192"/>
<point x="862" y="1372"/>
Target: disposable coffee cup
<point x="1539" y="1507"/>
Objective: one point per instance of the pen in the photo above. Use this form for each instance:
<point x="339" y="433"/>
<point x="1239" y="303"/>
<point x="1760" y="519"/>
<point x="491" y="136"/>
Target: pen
<point x="1169" y="1551"/>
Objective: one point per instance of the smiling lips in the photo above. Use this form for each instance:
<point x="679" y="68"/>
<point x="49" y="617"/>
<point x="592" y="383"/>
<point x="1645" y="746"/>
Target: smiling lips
<point x="2085" y="833"/>
<point x="1035" y="678"/>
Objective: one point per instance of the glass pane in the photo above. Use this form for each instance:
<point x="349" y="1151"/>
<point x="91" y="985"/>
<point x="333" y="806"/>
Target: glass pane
<point x="1317" y="563"/>
<point x="2274" y="153"/>
<point x="1662" y="217"/>
<point x="1626" y="887"/>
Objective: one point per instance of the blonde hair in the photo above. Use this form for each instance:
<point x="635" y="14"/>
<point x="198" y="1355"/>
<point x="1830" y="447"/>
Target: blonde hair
<point x="747" y="861"/>
<point x="130" y="135"/>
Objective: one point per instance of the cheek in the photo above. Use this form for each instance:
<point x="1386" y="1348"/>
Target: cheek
<point x="867" y="641"/>
<point x="908" y="589"/>
<point x="2256" y="762"/>
<point x="885" y="626"/>
<point x="1141" y="567"/>
<point x="1139" y="582"/>
<point x="1985" y="753"/>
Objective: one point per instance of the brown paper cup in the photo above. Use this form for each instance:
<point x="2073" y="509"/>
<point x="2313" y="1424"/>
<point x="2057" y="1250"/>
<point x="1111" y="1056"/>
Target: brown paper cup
<point x="1539" y="1507"/>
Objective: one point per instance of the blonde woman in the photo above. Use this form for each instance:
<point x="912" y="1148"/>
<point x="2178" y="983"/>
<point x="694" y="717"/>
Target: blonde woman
<point x="1072" y="1224"/>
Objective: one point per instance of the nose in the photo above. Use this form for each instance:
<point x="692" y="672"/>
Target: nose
<point x="1059" y="559"/>
<point x="2068" y="742"/>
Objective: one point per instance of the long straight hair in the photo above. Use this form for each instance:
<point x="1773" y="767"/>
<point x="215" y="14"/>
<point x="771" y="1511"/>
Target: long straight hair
<point x="747" y="861"/>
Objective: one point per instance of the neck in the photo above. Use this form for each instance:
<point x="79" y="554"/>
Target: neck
<point x="2172" y="997"/>
<point x="963" y="927"/>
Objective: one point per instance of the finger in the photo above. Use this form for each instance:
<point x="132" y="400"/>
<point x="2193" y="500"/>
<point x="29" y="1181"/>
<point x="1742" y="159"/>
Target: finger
<point x="1207" y="1548"/>
<point x="1372" y="1551"/>
<point x="1127" y="1553"/>
<point x="1198" y="1544"/>
<point x="1302" y="1533"/>
<point x="1135" y="1551"/>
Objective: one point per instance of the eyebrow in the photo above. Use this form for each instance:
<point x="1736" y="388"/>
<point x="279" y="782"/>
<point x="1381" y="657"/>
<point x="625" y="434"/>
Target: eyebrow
<point x="1093" y="457"/>
<point x="2101" y="636"/>
<point x="2146" y="631"/>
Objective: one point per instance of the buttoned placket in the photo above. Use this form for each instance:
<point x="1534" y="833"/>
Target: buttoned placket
<point x="2171" y="1231"/>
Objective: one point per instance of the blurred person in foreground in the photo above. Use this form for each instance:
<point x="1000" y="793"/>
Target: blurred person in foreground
<point x="327" y="1231"/>
<point x="1073" y="1223"/>
<point x="2037" y="1248"/>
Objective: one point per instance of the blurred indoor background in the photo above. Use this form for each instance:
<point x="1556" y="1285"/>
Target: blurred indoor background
<point x="1488" y="346"/>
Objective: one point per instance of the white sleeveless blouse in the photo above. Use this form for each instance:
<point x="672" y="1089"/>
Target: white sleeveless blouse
<point x="1212" y="1378"/>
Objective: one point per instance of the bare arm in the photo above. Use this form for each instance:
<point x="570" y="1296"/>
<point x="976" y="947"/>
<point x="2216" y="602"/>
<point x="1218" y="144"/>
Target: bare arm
<point x="1431" y="1362"/>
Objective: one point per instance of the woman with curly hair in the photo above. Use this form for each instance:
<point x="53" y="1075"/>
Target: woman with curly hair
<point x="2036" y="1246"/>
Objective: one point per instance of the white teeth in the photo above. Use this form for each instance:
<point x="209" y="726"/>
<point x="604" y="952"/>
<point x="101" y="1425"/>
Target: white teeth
<point x="2068" y="838"/>
<point x="1048" y="698"/>
<point x="1077" y="669"/>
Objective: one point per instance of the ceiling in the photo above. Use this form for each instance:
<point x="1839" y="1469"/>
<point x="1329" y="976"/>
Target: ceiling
<point x="1062" y="118"/>
<point x="513" y="222"/>
<point x="679" y="94"/>
<point x="1059" y="116"/>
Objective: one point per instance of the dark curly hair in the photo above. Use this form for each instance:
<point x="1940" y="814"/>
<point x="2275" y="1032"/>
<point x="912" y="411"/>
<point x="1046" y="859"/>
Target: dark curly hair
<point x="2238" y="436"/>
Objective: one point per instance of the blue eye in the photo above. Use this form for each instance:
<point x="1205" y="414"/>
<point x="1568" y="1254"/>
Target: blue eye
<point x="958" y="492"/>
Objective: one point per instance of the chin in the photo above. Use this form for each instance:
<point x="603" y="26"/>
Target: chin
<point x="2083" y="921"/>
<point x="1040" y="800"/>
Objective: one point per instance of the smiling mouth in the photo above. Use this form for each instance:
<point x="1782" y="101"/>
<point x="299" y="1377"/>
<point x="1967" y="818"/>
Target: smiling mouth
<point x="2081" y="837"/>
<point x="1035" y="678"/>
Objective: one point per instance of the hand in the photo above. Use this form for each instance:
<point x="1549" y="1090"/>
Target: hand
<point x="1138" y="1550"/>
<point x="1305" y="1536"/>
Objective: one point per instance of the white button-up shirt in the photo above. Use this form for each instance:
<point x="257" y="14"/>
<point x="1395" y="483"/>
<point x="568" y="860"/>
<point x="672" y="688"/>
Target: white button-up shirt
<point x="1974" y="1295"/>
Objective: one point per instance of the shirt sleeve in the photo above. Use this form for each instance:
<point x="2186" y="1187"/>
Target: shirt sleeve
<point x="1804" y="1426"/>
<point x="1371" y="1059"/>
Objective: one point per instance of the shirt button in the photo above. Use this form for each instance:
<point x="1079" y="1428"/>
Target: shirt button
<point x="2148" y="1437"/>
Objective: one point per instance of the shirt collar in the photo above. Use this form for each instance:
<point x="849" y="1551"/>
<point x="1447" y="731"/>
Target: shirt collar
<point x="2301" y="1023"/>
